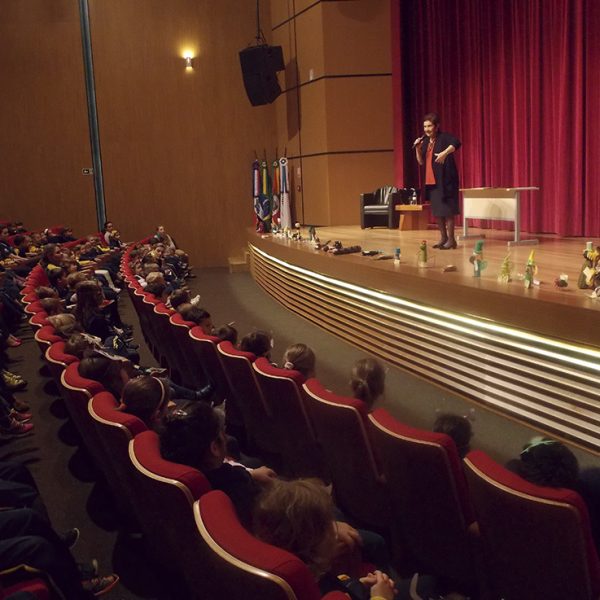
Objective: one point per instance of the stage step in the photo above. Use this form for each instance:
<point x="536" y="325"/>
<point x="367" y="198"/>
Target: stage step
<point x="238" y="264"/>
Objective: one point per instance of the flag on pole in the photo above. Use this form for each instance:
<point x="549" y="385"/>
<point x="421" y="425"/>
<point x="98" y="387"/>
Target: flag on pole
<point x="261" y="191"/>
<point x="275" y="212"/>
<point x="284" y="194"/>
<point x="265" y="197"/>
<point x="256" y="194"/>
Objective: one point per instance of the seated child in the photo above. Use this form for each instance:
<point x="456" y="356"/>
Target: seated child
<point x="298" y="516"/>
<point x="368" y="381"/>
<point x="228" y="333"/>
<point x="260" y="343"/>
<point x="301" y="358"/>
<point x="458" y="428"/>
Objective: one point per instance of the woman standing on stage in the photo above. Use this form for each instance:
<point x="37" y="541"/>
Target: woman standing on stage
<point x="434" y="149"/>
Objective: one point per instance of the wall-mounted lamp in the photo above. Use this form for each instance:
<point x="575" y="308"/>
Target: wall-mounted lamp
<point x="188" y="56"/>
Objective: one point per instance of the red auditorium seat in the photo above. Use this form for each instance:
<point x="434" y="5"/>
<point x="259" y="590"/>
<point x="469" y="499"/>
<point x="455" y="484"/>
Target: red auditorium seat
<point x="245" y="567"/>
<point x="37" y="277"/>
<point x="248" y="398"/>
<point x="45" y="336"/>
<point x="537" y="541"/>
<point x="39" y="319"/>
<point x="191" y="372"/>
<point x="281" y="390"/>
<point x="165" y="342"/>
<point x="115" y="430"/>
<point x="164" y="494"/>
<point x="78" y="391"/>
<point x="205" y="354"/>
<point x="33" y="307"/>
<point x="431" y="509"/>
<point x="27" y="290"/>
<point x="146" y="313"/>
<point x="29" y="297"/>
<point x="58" y="360"/>
<point x="37" y="588"/>
<point x="137" y="299"/>
<point x="157" y="330"/>
<point x="341" y="427"/>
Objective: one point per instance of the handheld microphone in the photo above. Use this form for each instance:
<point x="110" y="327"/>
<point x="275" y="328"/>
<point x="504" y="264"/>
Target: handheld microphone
<point x="417" y="142"/>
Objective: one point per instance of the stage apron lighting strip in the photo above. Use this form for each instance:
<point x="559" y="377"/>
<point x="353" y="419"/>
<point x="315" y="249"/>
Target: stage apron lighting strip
<point x="542" y="381"/>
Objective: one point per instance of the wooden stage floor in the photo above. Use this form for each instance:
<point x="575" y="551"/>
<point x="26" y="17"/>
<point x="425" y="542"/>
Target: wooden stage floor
<point x="554" y="255"/>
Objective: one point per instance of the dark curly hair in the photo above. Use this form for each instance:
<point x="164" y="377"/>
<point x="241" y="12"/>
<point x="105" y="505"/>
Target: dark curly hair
<point x="549" y="463"/>
<point x="186" y="435"/>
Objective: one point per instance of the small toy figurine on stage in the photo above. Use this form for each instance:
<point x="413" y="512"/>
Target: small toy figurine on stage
<point x="562" y="281"/>
<point x="505" y="270"/>
<point x="312" y="233"/>
<point x="530" y="270"/>
<point x="422" y="255"/>
<point x="589" y="277"/>
<point x="297" y="235"/>
<point x="476" y="259"/>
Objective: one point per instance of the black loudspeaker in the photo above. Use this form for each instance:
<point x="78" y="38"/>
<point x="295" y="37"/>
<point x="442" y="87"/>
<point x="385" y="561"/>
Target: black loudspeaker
<point x="259" y="70"/>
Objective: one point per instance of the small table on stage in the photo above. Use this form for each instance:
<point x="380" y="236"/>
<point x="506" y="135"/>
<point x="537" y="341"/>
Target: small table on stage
<point x="413" y="217"/>
<point x="500" y="204"/>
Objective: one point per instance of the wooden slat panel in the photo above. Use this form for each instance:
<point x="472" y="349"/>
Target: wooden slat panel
<point x="493" y="368"/>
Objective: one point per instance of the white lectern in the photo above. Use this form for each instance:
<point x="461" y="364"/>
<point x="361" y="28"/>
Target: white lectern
<point x="499" y="204"/>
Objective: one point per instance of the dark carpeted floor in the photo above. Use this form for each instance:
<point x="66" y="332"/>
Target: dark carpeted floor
<point x="69" y="483"/>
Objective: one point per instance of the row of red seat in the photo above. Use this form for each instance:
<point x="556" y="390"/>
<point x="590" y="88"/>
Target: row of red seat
<point x="390" y="476"/>
<point x="189" y="529"/>
<point x="35" y="587"/>
<point x="385" y="474"/>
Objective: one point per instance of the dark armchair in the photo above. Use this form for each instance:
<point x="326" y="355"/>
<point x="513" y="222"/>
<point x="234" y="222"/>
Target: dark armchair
<point x="379" y="208"/>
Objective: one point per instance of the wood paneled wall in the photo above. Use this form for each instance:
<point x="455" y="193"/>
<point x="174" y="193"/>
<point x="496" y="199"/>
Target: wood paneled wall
<point x="44" y="141"/>
<point x="177" y="145"/>
<point x="335" y="117"/>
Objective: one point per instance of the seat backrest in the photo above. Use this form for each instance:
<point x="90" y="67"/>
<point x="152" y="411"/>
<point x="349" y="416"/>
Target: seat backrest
<point x="341" y="427"/>
<point x="77" y="393"/>
<point x="248" y="397"/>
<point x="115" y="430"/>
<point x="429" y="495"/>
<point x="58" y="360"/>
<point x="137" y="299"/>
<point x="164" y="494"/>
<point x="29" y="297"/>
<point x="45" y="336"/>
<point x="281" y="390"/>
<point x="27" y="587"/>
<point x="192" y="374"/>
<point x="39" y="319"/>
<point x="384" y="194"/>
<point x="38" y="276"/>
<point x="164" y="342"/>
<point x="34" y="307"/>
<point x="147" y="321"/>
<point x="537" y="540"/>
<point x="244" y="566"/>
<point x="205" y="353"/>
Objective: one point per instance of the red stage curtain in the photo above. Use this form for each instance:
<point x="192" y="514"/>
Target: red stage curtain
<point x="518" y="82"/>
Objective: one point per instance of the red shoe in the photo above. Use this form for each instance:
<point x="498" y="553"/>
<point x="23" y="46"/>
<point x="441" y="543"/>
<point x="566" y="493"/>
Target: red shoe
<point x="13" y="342"/>
<point x="101" y="584"/>
<point x="21" y="417"/>
<point x="16" y="428"/>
